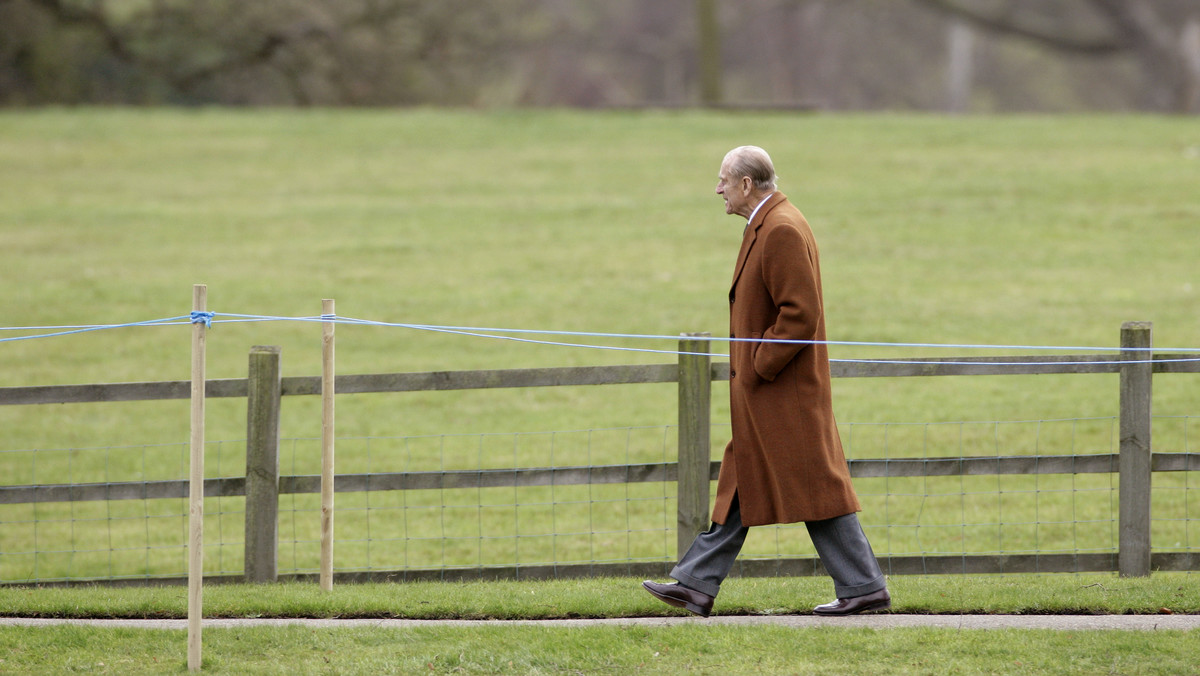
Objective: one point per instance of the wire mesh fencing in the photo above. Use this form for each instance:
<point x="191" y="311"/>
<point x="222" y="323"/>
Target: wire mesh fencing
<point x="592" y="500"/>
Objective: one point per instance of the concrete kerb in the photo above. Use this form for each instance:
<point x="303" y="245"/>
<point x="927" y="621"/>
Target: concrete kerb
<point x="879" y="621"/>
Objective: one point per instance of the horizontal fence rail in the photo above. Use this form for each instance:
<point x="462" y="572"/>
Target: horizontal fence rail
<point x="577" y="476"/>
<point x="579" y="375"/>
<point x="694" y="470"/>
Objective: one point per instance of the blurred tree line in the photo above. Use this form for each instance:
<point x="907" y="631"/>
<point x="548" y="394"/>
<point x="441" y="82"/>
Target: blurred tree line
<point x="956" y="55"/>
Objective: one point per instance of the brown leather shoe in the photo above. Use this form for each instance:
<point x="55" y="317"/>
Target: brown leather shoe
<point x="867" y="603"/>
<point x="680" y="596"/>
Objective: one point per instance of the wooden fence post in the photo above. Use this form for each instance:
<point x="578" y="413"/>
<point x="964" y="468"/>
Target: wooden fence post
<point x="262" y="465"/>
<point x="1133" y="558"/>
<point x="695" y="396"/>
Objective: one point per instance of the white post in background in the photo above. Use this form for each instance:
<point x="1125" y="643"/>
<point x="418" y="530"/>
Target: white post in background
<point x="961" y="67"/>
<point x="327" y="371"/>
<point x="1189" y="47"/>
<point x="196" y="479"/>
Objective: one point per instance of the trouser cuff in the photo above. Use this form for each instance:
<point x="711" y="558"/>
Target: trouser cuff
<point x="844" y="592"/>
<point x="697" y="584"/>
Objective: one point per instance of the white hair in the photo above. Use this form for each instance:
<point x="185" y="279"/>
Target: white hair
<point x="753" y="162"/>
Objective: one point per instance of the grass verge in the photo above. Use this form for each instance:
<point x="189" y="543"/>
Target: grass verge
<point x="680" y="649"/>
<point x="523" y="649"/>
<point x="612" y="597"/>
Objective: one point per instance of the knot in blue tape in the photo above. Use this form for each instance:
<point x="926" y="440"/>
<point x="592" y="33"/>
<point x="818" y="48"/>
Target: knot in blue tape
<point x="202" y="317"/>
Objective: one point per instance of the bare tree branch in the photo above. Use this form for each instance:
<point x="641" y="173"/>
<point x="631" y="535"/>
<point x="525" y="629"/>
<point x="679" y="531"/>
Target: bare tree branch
<point x="116" y="43"/>
<point x="262" y="53"/>
<point x="1138" y="24"/>
<point x="121" y="45"/>
<point x="1142" y="28"/>
<point x="1027" y="25"/>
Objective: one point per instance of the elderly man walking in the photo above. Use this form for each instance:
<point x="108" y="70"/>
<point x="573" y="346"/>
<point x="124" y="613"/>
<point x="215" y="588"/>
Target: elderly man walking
<point x="785" y="462"/>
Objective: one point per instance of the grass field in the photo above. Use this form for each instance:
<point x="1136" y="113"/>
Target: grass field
<point x="1007" y="231"/>
<point x="692" y="647"/>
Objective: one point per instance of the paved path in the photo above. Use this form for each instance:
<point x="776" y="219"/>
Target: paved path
<point x="884" y="621"/>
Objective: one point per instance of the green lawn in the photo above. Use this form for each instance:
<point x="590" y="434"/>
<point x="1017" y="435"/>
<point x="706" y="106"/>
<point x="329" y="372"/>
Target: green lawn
<point x="601" y="650"/>
<point x="598" y="597"/>
<point x="698" y="647"/>
<point x="1007" y="231"/>
<point x="689" y="649"/>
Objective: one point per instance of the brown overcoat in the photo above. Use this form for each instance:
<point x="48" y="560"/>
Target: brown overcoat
<point x="785" y="462"/>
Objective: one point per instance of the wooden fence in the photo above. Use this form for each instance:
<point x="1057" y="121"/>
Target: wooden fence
<point x="693" y="472"/>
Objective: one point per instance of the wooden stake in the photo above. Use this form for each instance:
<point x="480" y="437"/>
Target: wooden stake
<point x="327" y="372"/>
<point x="695" y="456"/>
<point x="196" y="483"/>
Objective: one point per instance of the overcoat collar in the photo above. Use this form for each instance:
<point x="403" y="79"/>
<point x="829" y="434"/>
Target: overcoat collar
<point x="751" y="235"/>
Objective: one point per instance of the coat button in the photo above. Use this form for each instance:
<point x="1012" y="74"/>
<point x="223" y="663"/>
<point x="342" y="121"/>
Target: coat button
<point x="732" y="373"/>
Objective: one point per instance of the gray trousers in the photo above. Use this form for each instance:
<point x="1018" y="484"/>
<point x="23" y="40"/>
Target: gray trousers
<point x="840" y="542"/>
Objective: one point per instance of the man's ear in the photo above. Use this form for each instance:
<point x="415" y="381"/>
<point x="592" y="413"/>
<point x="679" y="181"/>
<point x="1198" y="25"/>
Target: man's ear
<point x="747" y="185"/>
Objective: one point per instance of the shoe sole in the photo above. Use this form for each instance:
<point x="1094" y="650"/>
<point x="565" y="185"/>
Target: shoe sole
<point x="873" y="608"/>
